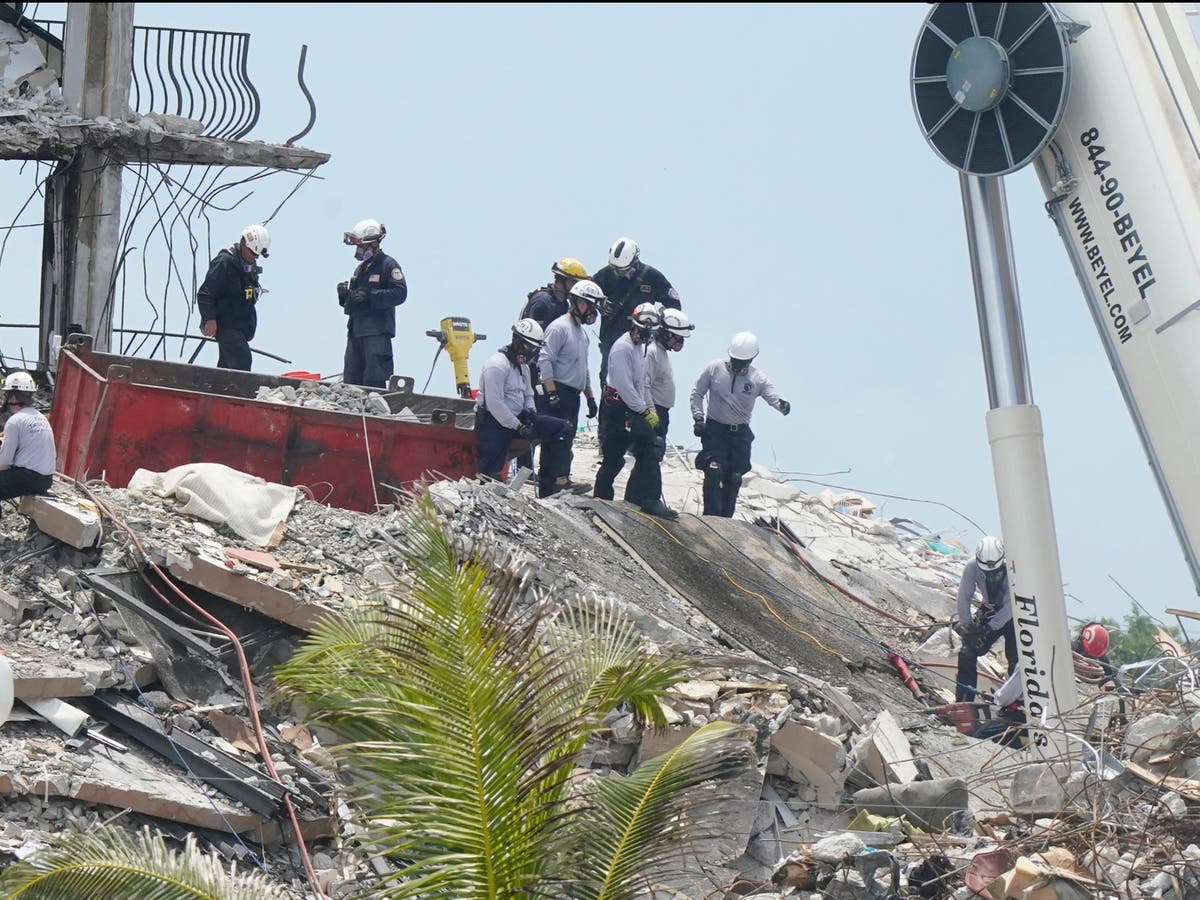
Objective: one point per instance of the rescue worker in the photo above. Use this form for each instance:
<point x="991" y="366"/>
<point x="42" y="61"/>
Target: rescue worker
<point x="563" y="368"/>
<point x="731" y="387"/>
<point x="630" y="420"/>
<point x="1007" y="726"/>
<point x="1092" y="646"/>
<point x="549" y="302"/>
<point x="370" y="299"/>
<point x="228" y="297"/>
<point x="545" y="305"/>
<point x="504" y="407"/>
<point x="674" y="329"/>
<point x="627" y="283"/>
<point x="27" y="453"/>
<point x="986" y="572"/>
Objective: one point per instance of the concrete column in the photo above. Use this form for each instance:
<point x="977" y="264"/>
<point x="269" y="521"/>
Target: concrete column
<point x="84" y="203"/>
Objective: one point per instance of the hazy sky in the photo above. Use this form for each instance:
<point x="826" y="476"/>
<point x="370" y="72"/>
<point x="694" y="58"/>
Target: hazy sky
<point x="767" y="160"/>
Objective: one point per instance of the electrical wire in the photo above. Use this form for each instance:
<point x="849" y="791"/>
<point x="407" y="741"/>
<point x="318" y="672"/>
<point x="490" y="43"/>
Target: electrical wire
<point x="243" y="665"/>
<point x="436" y="354"/>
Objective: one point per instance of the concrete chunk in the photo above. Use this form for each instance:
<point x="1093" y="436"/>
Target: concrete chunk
<point x="67" y="521"/>
<point x="888" y="755"/>
<point x="815" y="758"/>
<point x="926" y="803"/>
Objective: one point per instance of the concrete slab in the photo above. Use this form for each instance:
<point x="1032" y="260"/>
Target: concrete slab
<point x="212" y="576"/>
<point x="68" y="520"/>
<point x="742" y="579"/>
<point x="889" y="756"/>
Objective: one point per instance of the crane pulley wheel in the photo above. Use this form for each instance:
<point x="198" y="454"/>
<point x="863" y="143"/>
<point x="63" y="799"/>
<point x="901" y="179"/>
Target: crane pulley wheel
<point x="990" y="82"/>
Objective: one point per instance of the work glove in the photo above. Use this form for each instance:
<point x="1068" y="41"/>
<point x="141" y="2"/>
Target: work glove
<point x="984" y="639"/>
<point x="527" y="416"/>
<point x="651" y="417"/>
<point x="698" y="427"/>
<point x="525" y="430"/>
<point x="343" y="290"/>
<point x="357" y="296"/>
<point x="785" y="407"/>
<point x="553" y="400"/>
<point x="593" y="409"/>
<point x="962" y="629"/>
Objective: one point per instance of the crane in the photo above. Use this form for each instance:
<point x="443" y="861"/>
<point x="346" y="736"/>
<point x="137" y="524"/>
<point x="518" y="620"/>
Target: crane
<point x="1102" y="100"/>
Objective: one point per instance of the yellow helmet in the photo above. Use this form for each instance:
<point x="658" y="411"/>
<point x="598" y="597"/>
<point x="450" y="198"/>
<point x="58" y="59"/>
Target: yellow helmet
<point x="569" y="267"/>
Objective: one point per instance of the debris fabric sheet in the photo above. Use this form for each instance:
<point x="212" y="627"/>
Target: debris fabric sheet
<point x="255" y="509"/>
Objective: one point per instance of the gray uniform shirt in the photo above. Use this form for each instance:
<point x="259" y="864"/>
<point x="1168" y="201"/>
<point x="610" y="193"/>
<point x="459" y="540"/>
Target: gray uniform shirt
<point x="564" y="355"/>
<point x="731" y="397"/>
<point x="504" y="389"/>
<point x="1000" y="599"/>
<point x="627" y="373"/>
<point x="659" y="376"/>
<point x="28" y="442"/>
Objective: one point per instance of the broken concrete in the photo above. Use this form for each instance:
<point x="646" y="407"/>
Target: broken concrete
<point x="71" y="522"/>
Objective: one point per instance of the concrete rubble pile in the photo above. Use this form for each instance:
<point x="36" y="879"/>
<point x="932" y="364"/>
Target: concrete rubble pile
<point x="861" y="789"/>
<point x="334" y="397"/>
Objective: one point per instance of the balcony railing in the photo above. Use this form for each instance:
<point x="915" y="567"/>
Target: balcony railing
<point x="199" y="75"/>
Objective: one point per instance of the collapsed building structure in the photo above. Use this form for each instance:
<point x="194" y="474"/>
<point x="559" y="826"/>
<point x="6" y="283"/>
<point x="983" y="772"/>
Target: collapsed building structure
<point x="132" y="712"/>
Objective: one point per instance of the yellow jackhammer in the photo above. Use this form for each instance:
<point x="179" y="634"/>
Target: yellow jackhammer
<point x="456" y="338"/>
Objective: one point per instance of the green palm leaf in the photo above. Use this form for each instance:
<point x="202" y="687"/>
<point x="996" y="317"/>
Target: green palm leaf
<point x="464" y="711"/>
<point x="110" y="863"/>
<point x="640" y="822"/>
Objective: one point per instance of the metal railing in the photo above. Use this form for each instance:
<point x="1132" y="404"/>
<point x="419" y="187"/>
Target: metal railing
<point x="195" y="74"/>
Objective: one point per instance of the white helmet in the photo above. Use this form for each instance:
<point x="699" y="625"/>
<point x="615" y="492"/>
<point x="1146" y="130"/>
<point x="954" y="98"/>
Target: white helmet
<point x="646" y="316"/>
<point x="257" y="239"/>
<point x="623" y="253"/>
<point x="368" y="231"/>
<point x="675" y="322"/>
<point x="20" y="381"/>
<point x="744" y="346"/>
<point x="587" y="290"/>
<point x="990" y="553"/>
<point x="529" y="331"/>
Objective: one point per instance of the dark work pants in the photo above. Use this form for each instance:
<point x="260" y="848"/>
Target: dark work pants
<point x="17" y="481"/>
<point x="724" y="458"/>
<point x="558" y="456"/>
<point x="492" y="439"/>
<point x="368" y="361"/>
<point x="525" y="460"/>
<point x="1007" y="728"/>
<point x="968" y="660"/>
<point x="622" y="429"/>
<point x="233" y="350"/>
<point x="664" y="422"/>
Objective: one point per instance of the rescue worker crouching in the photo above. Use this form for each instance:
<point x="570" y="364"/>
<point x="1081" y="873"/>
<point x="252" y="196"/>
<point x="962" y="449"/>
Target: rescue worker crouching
<point x="228" y="298"/>
<point x="992" y="619"/>
<point x="370" y="299"/>
<point x="545" y="305"/>
<point x="563" y="366"/>
<point x="27" y="454"/>
<point x="504" y="408"/>
<point x="630" y="420"/>
<point x="1007" y="727"/>
<point x="731" y="386"/>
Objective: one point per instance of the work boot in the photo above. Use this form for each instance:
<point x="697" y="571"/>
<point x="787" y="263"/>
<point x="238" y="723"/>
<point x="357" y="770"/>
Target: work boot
<point x="660" y="509"/>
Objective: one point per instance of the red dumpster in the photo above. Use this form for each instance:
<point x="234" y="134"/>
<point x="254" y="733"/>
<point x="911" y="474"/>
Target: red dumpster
<point x="115" y="414"/>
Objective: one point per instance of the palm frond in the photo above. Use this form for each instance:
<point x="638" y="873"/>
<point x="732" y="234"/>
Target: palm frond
<point x="610" y="663"/>
<point x="639" y="822"/>
<point x="441" y="698"/>
<point x="109" y="862"/>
